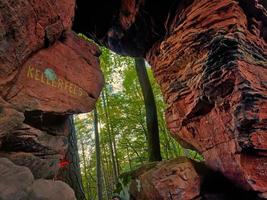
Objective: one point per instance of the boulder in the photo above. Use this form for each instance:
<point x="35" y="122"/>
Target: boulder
<point x="50" y="190"/>
<point x="179" y="179"/>
<point x="175" y="179"/>
<point x="15" y="181"/>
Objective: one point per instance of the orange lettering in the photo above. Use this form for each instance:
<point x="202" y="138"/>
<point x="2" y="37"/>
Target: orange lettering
<point x="71" y="88"/>
<point x="54" y="83"/>
<point x="60" y="84"/>
<point x="37" y="75"/>
<point x="47" y="81"/>
<point x="80" y="92"/>
<point x="74" y="90"/>
<point x="42" y="78"/>
<point x="30" y="72"/>
<point x="66" y="85"/>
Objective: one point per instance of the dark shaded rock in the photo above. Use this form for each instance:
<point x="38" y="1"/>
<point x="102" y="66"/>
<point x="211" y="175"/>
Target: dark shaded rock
<point x="15" y="181"/>
<point x="50" y="190"/>
<point x="127" y="27"/>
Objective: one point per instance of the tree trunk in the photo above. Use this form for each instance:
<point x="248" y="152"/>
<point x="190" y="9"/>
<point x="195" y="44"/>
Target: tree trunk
<point x="71" y="172"/>
<point x="113" y="137"/>
<point x="151" y="111"/>
<point x="110" y="141"/>
<point x="98" y="158"/>
<point x="87" y="189"/>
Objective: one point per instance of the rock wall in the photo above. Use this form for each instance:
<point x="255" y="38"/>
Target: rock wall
<point x="212" y="71"/>
<point x="17" y="182"/>
<point x="47" y="73"/>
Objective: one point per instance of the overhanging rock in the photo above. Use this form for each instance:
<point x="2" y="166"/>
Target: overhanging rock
<point x="210" y="60"/>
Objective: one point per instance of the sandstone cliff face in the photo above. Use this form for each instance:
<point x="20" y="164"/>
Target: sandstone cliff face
<point x="210" y="59"/>
<point x="46" y="74"/>
<point x="212" y="71"/>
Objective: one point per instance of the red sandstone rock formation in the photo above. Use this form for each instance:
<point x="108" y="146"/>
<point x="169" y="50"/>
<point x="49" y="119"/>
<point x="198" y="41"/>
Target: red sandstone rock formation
<point x="180" y="179"/>
<point x="175" y="179"/>
<point x="17" y="182"/>
<point x="214" y="86"/>
<point x="210" y="59"/>
<point x="46" y="73"/>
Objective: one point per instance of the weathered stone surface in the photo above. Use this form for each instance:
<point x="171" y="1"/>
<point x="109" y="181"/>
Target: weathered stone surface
<point x="179" y="179"/>
<point x="15" y="181"/>
<point x="176" y="179"/>
<point x="212" y="70"/>
<point x="52" y="76"/>
<point x="50" y="190"/>
<point x="24" y="28"/>
<point x="10" y="118"/>
<point x="47" y="72"/>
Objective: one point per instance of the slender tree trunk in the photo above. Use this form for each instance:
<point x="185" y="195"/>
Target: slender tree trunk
<point x="87" y="178"/>
<point x="106" y="173"/>
<point x="110" y="141"/>
<point x="129" y="159"/>
<point x="71" y="173"/>
<point x="105" y="183"/>
<point x="113" y="136"/>
<point x="105" y="164"/>
<point x="98" y="158"/>
<point x="151" y="111"/>
<point x="116" y="157"/>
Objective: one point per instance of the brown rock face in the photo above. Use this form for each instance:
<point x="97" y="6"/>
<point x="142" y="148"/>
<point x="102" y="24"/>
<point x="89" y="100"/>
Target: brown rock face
<point x="176" y="179"/>
<point x="15" y="180"/>
<point x="212" y="71"/>
<point x="17" y="183"/>
<point x="46" y="74"/>
<point x="50" y="190"/>
<point x="210" y="59"/>
<point x="181" y="179"/>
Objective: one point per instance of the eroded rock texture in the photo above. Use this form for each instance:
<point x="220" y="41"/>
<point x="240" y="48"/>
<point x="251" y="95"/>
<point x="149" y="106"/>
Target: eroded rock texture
<point x="180" y="179"/>
<point x="47" y="72"/>
<point x="212" y="71"/>
<point x="210" y="59"/>
<point x="17" y="183"/>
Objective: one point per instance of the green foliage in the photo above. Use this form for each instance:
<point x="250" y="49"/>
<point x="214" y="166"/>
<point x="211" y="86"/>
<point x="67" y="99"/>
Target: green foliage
<point x="126" y="119"/>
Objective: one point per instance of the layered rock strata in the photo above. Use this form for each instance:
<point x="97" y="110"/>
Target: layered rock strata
<point x="47" y="73"/>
